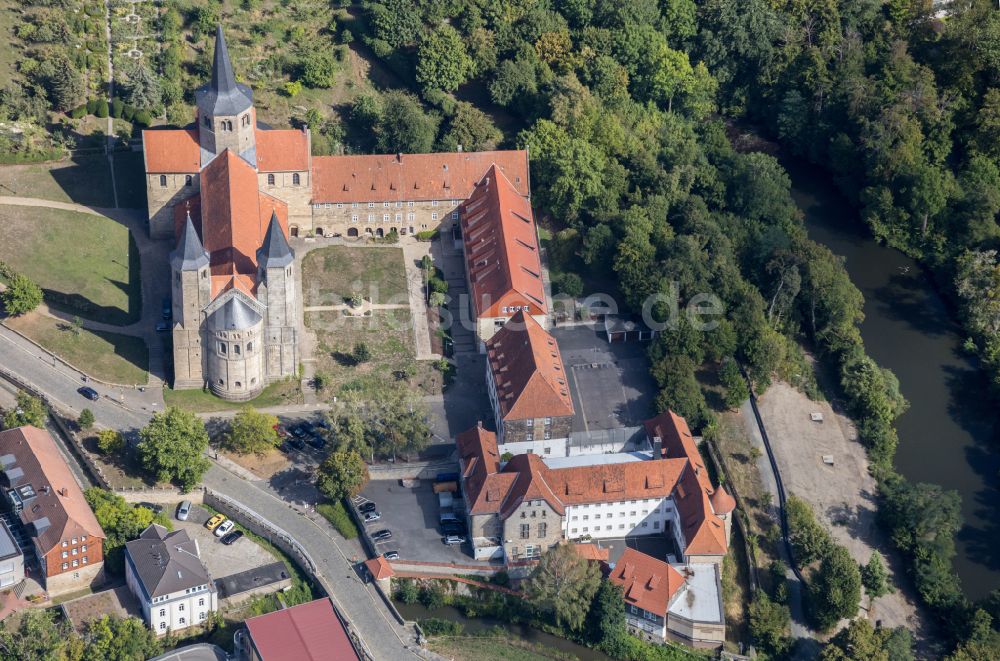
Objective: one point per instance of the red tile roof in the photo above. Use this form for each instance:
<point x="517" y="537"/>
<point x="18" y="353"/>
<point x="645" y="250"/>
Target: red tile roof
<point x="282" y="150"/>
<point x="501" y="249"/>
<point x="404" y="177"/>
<point x="57" y="496"/>
<point x="171" y="151"/>
<point x="528" y="371"/>
<point x="722" y="502"/>
<point x="678" y="441"/>
<point x="480" y="461"/>
<point x="307" y="632"/>
<point x="609" y="483"/>
<point x="530" y="483"/>
<point x="647" y="583"/>
<point x="592" y="552"/>
<point x="379" y="568"/>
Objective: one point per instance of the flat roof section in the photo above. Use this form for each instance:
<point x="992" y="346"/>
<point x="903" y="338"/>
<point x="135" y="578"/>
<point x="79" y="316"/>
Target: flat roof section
<point x="8" y="549"/>
<point x="699" y="599"/>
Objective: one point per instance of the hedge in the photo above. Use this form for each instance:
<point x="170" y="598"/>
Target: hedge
<point x="339" y="518"/>
<point x="427" y="235"/>
<point x="102" y="109"/>
<point x="117" y="105"/>
<point x="78" y="112"/>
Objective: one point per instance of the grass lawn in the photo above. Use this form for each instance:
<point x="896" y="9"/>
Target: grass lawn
<point x="106" y="356"/>
<point x="83" y="179"/>
<point x="389" y="337"/>
<point x="330" y="275"/>
<point x="130" y="180"/>
<point x="87" y="264"/>
<point x="200" y="401"/>
<point x="489" y="648"/>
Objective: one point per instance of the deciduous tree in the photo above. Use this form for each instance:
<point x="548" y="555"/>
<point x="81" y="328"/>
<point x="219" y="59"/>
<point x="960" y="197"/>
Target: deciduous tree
<point x="563" y="585"/>
<point x="28" y="410"/>
<point x="342" y="475"/>
<point x="253" y="432"/>
<point x="172" y="446"/>
<point x="442" y="63"/>
<point x="21" y="296"/>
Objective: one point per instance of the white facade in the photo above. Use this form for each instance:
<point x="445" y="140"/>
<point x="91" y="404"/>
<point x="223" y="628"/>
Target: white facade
<point x="650" y="516"/>
<point x="554" y="447"/>
<point x="175" y="611"/>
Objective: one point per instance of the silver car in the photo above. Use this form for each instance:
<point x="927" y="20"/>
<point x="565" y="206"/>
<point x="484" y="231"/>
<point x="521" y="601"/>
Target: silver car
<point x="184" y="510"/>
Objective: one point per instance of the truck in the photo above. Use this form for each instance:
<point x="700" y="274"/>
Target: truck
<point x="446" y="477"/>
<point x="445" y="500"/>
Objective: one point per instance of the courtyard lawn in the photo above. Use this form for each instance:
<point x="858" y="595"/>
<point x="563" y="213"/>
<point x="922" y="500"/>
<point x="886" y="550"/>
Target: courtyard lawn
<point x="82" y="180"/>
<point x="87" y="264"/>
<point x="106" y="356"/>
<point x="200" y="401"/>
<point x="388" y="335"/>
<point x="331" y="275"/>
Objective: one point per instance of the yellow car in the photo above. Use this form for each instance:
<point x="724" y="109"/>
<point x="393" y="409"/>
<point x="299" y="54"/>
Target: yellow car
<point x="215" y="521"/>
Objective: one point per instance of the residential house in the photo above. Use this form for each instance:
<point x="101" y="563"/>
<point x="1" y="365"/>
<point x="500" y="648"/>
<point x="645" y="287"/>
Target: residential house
<point x="528" y="390"/>
<point x="11" y="559"/>
<point x="307" y="632"/>
<point x="48" y="501"/>
<point x="163" y="569"/>
<point x="666" y="602"/>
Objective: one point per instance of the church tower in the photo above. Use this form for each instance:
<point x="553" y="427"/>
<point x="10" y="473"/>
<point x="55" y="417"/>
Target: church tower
<point x="191" y="288"/>
<point x="276" y="290"/>
<point x="226" y="116"/>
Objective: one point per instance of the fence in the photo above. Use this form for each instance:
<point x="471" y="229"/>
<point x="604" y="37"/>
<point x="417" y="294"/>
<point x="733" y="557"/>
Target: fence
<point x="272" y="533"/>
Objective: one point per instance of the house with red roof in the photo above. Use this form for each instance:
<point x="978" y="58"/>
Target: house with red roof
<point x="312" y="631"/>
<point x="528" y="388"/>
<point x="520" y="508"/>
<point x="667" y="602"/>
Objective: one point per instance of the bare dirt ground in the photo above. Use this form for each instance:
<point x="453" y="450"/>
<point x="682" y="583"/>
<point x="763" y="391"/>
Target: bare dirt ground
<point x="263" y="467"/>
<point x="842" y="495"/>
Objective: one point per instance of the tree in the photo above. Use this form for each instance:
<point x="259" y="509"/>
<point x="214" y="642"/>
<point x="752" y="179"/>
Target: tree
<point x="835" y="589"/>
<point x="361" y="353"/>
<point x="253" y="432"/>
<point x="28" y="410"/>
<point x="86" y="419"/>
<point x="395" y="22"/>
<point x="680" y="391"/>
<point x="171" y="447"/>
<point x="563" y="585"/>
<point x="113" y="638"/>
<point x="21" y="296"/>
<point x="403" y="126"/>
<point x="110" y="442"/>
<point x="39" y="635"/>
<point x="810" y="541"/>
<point x="875" y="577"/>
<point x="769" y="624"/>
<point x="318" y="69"/>
<point x="64" y="83"/>
<point x="737" y="391"/>
<point x="860" y="641"/>
<point x="141" y="88"/>
<point x="442" y="62"/>
<point x="471" y="129"/>
<point x="121" y="522"/>
<point x="606" y="618"/>
<point x="342" y="475"/>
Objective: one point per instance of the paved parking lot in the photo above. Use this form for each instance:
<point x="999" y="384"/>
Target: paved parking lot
<point x="610" y="383"/>
<point x="219" y="559"/>
<point x="412" y="516"/>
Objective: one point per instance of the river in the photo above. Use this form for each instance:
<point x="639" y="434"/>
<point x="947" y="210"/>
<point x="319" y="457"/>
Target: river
<point x="949" y="434"/>
<point x="519" y="631"/>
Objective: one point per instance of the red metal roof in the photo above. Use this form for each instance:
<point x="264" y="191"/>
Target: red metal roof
<point x="307" y="632"/>
<point x="283" y="150"/>
<point x="171" y="151"/>
<point x="404" y="177"/>
<point x="501" y="249"/>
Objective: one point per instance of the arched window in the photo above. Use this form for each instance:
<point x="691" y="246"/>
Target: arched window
<point x="236" y="349"/>
<point x="163" y="180"/>
<point x="295" y="179"/>
<point x="249" y="347"/>
<point x="239" y="385"/>
<point x="188" y="180"/>
<point x="270" y="180"/>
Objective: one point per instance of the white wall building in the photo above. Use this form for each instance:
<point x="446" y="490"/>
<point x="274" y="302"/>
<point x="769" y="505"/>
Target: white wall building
<point x="165" y="573"/>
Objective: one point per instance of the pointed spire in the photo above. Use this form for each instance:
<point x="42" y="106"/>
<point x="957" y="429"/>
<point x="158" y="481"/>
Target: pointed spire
<point x="223" y="78"/>
<point x="190" y="254"/>
<point x="275" y="252"/>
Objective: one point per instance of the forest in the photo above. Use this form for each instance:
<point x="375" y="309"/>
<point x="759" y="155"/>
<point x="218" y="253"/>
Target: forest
<point x="628" y="110"/>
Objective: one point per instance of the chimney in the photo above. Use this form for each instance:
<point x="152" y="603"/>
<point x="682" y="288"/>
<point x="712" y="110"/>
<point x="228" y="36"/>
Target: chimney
<point x="460" y="149"/>
<point x="399" y="157"/>
<point x="657" y="447"/>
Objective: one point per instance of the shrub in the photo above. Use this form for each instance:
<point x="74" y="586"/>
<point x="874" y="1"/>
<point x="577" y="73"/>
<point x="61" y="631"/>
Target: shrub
<point x="91" y="106"/>
<point x="143" y="118"/>
<point x="292" y="88"/>
<point x="407" y="591"/>
<point x="110" y="441"/>
<point x="78" y="112"/>
<point x="435" y="626"/>
<point x="339" y="518"/>
<point x="427" y="235"/>
<point x="86" y="419"/>
<point x="432" y="596"/>
<point x="128" y="112"/>
<point x="117" y="105"/>
<point x="102" y="108"/>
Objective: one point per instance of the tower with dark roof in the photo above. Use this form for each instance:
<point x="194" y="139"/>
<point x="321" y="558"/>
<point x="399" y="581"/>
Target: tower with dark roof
<point x="276" y="291"/>
<point x="226" y="116"/>
<point x="191" y="289"/>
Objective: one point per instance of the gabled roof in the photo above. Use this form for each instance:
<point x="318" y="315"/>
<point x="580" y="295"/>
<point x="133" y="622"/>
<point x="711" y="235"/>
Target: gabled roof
<point x="54" y="506"/>
<point x="647" y="583"/>
<point x="530" y="484"/>
<point x="392" y="177"/>
<point x="592" y="552"/>
<point x="190" y="254"/>
<point x="608" y="483"/>
<point x="480" y="462"/>
<point x="166" y="562"/>
<point x="282" y="150"/>
<point x="528" y="372"/>
<point x="677" y="440"/>
<point x="501" y="248"/>
<point x="171" y="151"/>
<point x="223" y="95"/>
<point x="379" y="568"/>
<point x="307" y="632"/>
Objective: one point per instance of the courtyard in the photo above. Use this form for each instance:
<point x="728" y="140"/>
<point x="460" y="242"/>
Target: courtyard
<point x="219" y="559"/>
<point x="330" y="275"/>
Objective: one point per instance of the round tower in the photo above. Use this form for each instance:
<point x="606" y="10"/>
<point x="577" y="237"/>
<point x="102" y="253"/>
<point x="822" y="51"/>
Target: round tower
<point x="235" y="355"/>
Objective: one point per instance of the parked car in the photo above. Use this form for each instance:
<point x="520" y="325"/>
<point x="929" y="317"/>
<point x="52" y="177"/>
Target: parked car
<point x="451" y="540"/>
<point x="391" y="555"/>
<point x="89" y="393"/>
<point x="214" y="522"/>
<point x="382" y="535"/>
<point x="368" y="507"/>
<point x="372" y="516"/>
<point x="162" y="327"/>
<point x="453" y="529"/>
<point x="166" y="308"/>
<point x="299" y="431"/>
<point x="232" y="537"/>
<point x="224" y="528"/>
<point x="184" y="510"/>
<point x="296" y="443"/>
<point x="316" y="441"/>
